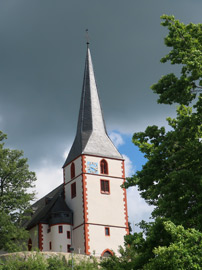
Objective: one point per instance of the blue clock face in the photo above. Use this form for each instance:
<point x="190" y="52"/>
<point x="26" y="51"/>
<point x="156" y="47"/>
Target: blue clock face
<point x="92" y="167"/>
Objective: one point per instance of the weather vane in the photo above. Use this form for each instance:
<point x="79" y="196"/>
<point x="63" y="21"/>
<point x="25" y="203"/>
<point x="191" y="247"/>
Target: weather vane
<point x="87" y="37"/>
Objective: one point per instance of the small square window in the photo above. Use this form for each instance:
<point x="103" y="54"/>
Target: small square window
<point x="60" y="229"/>
<point x="73" y="190"/>
<point x="68" y="235"/>
<point x="104" y="186"/>
<point x="107" y="231"/>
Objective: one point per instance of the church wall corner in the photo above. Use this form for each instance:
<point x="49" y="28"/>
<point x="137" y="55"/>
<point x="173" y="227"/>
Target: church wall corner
<point x="85" y="206"/>
<point x="125" y="200"/>
<point x="40" y="229"/>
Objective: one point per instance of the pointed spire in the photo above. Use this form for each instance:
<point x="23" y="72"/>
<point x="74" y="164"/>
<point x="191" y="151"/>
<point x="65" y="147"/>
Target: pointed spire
<point x="91" y="137"/>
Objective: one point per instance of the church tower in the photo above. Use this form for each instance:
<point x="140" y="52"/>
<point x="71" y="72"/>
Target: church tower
<point x="93" y="175"/>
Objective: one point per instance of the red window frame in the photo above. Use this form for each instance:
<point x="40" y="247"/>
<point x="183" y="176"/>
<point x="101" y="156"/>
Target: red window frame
<point x="72" y="170"/>
<point x="68" y="235"/>
<point x="107" y="231"/>
<point x="104" y="186"/>
<point x="60" y="229"/>
<point x="73" y="190"/>
<point x="103" y="166"/>
<point x="68" y="248"/>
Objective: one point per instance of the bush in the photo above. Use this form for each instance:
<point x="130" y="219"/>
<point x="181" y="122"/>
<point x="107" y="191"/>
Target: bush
<point x="39" y="262"/>
<point x="36" y="262"/>
<point x="87" y="264"/>
<point x="57" y="263"/>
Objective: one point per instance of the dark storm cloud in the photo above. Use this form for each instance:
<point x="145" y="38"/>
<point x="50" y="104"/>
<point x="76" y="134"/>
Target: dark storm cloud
<point x="42" y="53"/>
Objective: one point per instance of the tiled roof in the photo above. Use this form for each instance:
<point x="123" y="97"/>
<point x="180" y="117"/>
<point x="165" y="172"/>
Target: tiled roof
<point x="91" y="137"/>
<point x="51" y="204"/>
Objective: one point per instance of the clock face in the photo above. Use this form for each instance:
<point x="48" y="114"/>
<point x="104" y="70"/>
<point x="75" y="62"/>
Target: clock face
<point x="92" y="167"/>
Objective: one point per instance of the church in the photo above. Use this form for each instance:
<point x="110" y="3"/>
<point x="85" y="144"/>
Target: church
<point x="87" y="213"/>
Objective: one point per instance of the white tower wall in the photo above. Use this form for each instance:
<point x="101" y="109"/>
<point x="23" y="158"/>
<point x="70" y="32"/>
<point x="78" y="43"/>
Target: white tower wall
<point x="94" y="210"/>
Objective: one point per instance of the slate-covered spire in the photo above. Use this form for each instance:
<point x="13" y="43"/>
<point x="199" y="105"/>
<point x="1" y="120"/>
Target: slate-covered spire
<point x="91" y="137"/>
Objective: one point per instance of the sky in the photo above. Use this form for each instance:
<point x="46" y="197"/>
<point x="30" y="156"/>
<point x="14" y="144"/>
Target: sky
<point x="42" y="55"/>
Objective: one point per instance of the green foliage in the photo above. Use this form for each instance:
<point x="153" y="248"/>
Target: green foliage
<point x="55" y="263"/>
<point x="186" y="50"/>
<point x="87" y="264"/>
<point x="39" y="262"/>
<point x="118" y="263"/>
<point x="12" y="235"/>
<point x="184" y="252"/>
<point x="15" y="180"/>
<point x="171" y="179"/>
<point x="22" y="263"/>
<point x="165" y="246"/>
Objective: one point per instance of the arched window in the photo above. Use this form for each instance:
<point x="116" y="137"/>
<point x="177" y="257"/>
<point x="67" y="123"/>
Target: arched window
<point x="72" y="170"/>
<point x="104" y="166"/>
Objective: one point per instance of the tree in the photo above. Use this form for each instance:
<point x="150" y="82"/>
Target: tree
<point x="184" y="251"/>
<point x="165" y="246"/>
<point x="15" y="180"/>
<point x="171" y="179"/>
<point x="172" y="176"/>
<point x="186" y="44"/>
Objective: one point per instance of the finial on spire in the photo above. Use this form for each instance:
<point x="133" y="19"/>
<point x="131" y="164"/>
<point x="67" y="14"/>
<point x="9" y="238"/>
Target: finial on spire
<point x="87" y="37"/>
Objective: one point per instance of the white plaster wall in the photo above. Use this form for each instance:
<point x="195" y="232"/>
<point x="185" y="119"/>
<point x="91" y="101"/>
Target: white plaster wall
<point x="99" y="242"/>
<point x="107" y="209"/>
<point x="46" y="237"/>
<point x="114" y="166"/>
<point x="34" y="235"/>
<point x="102" y="208"/>
<point x="59" y="240"/>
<point x="75" y="204"/>
<point x="78" y="169"/>
<point x="78" y="240"/>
